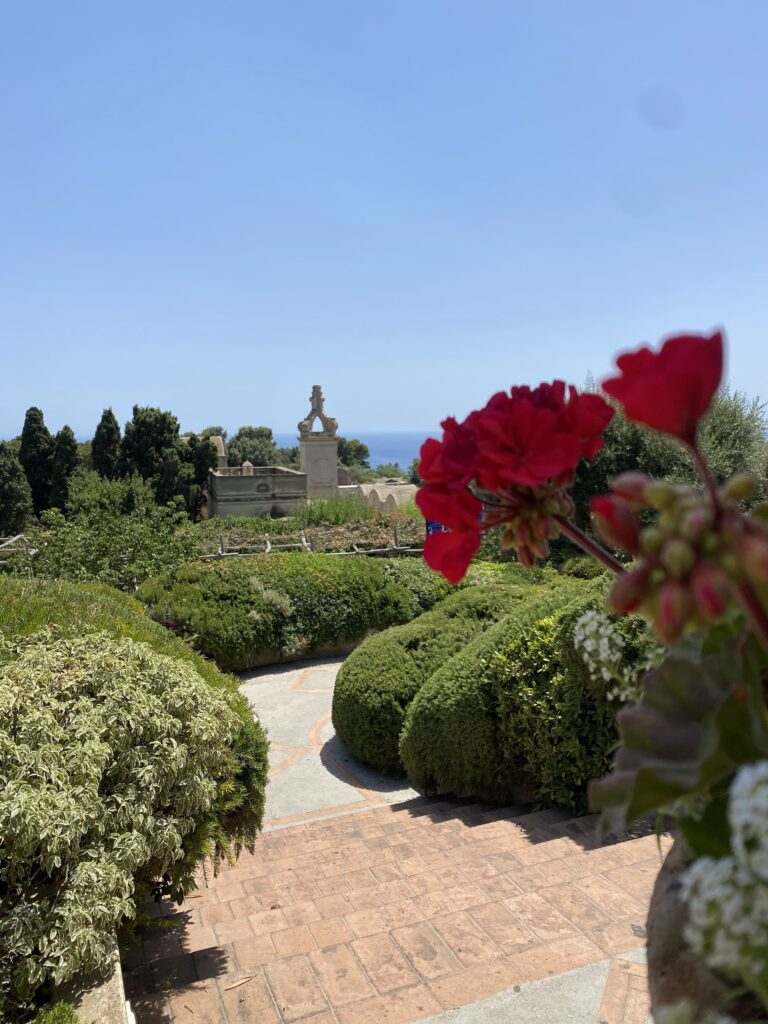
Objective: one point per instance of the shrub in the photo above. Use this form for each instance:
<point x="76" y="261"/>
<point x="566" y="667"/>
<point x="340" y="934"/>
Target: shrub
<point x="106" y="538"/>
<point x="378" y="681"/>
<point x="557" y="723"/>
<point x="425" y="586"/>
<point x="72" y="610"/>
<point x="112" y="758"/>
<point x="450" y="739"/>
<point x="239" y="610"/>
<point x="59" y="1013"/>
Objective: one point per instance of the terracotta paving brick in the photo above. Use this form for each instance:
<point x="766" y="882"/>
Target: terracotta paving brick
<point x="426" y="950"/>
<point x="293" y="941"/>
<point x="268" y="921"/>
<point x="231" y="931"/>
<point x="332" y="906"/>
<point x="575" y="906"/>
<point x="255" y="951"/>
<point x="540" y="916"/>
<point x="636" y="883"/>
<point x="610" y="897"/>
<point x="406" y="1004"/>
<point x="386" y="966"/>
<point x="466" y="938"/>
<point x="340" y="975"/>
<point x="506" y="930"/>
<point x="295" y="988"/>
<point x="405" y="912"/>
<point x="330" y="931"/>
<point x="620" y="936"/>
<point x="196" y="1004"/>
<point x="444" y="904"/>
<point x="246" y="999"/>
<point x="431" y="904"/>
<point x="214" y="912"/>
<point x="366" y="922"/>
<point x="212" y="962"/>
<point x="301" y="913"/>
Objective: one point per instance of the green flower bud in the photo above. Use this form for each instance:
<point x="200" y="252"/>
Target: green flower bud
<point x="661" y="494"/>
<point x="678" y="558"/>
<point x="740" y="486"/>
<point x="651" y="540"/>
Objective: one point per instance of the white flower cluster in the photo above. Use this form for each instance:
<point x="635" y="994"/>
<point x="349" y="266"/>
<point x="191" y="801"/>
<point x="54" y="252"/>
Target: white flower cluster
<point x="748" y="814"/>
<point x="602" y="649"/>
<point x="728" y="897"/>
<point x="684" y="1012"/>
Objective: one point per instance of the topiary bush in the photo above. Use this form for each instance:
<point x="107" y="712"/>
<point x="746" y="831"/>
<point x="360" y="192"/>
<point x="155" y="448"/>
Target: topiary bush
<point x="449" y="742"/>
<point x="241" y="611"/>
<point x="516" y="716"/>
<point x="378" y="681"/>
<point x="556" y="720"/>
<point x="114" y="762"/>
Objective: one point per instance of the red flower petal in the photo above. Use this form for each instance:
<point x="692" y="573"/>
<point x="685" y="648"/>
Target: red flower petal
<point x="670" y="390"/>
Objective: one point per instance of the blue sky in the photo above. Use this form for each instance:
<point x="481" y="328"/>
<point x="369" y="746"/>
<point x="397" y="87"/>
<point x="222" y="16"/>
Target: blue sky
<point x="210" y="207"/>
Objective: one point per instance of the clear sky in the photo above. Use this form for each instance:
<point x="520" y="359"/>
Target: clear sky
<point x="212" y="206"/>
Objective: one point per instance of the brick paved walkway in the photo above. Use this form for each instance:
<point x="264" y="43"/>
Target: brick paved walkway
<point x="395" y="913"/>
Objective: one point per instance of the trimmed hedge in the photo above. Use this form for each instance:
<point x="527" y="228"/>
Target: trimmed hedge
<point x="378" y="681"/>
<point x="237" y="611"/>
<point x="516" y="717"/>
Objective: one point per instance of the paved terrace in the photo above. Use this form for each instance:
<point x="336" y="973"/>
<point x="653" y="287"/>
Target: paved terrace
<point x="366" y="903"/>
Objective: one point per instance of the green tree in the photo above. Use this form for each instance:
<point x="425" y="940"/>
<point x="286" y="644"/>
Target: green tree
<point x="198" y="456"/>
<point x="15" y="494"/>
<point x="354" y="453"/>
<point x="35" y="453"/>
<point x="151" y="448"/>
<point x="413" y="472"/>
<point x="213" y="432"/>
<point x="388" y="469"/>
<point x="733" y="438"/>
<point x="253" y="444"/>
<point x="288" y="457"/>
<point x="105" y="447"/>
<point x="63" y="464"/>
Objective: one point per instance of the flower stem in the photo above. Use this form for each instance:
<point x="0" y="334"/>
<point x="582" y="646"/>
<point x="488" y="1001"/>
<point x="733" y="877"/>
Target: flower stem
<point x="577" y="535"/>
<point x="755" y="611"/>
<point x="706" y="475"/>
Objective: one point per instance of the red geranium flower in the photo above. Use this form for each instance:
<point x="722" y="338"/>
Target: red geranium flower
<point x="670" y="390"/>
<point x="530" y="437"/>
<point x="522" y="448"/>
<point x="450" y="553"/>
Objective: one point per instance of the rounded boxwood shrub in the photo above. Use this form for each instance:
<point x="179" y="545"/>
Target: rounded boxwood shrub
<point x="449" y="741"/>
<point x="112" y="758"/>
<point x="378" y="681"/>
<point x="238" y="611"/>
<point x="516" y="716"/>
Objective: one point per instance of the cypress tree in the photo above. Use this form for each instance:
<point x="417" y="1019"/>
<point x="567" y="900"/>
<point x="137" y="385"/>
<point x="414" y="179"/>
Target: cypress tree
<point x="15" y="495"/>
<point x="105" y="447"/>
<point x="35" y="455"/>
<point x="63" y="465"/>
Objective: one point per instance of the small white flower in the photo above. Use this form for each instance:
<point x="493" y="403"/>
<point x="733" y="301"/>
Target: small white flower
<point x="748" y="815"/>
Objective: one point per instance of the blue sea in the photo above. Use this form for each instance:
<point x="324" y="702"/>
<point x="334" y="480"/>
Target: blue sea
<point x="401" y="447"/>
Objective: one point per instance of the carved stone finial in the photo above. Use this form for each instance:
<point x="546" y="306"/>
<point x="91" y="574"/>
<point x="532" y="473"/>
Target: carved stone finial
<point x="317" y="412"/>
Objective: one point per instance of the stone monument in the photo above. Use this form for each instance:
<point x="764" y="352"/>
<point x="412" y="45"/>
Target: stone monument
<point x="319" y="449"/>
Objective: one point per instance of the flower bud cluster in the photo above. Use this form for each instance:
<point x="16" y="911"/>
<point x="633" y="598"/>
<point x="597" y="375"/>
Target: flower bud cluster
<point x="528" y="515"/>
<point x="689" y="559"/>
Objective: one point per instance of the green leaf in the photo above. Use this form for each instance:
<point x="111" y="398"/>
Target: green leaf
<point x="700" y="717"/>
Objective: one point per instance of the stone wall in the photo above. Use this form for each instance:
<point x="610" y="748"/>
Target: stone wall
<point x="255" y="491"/>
